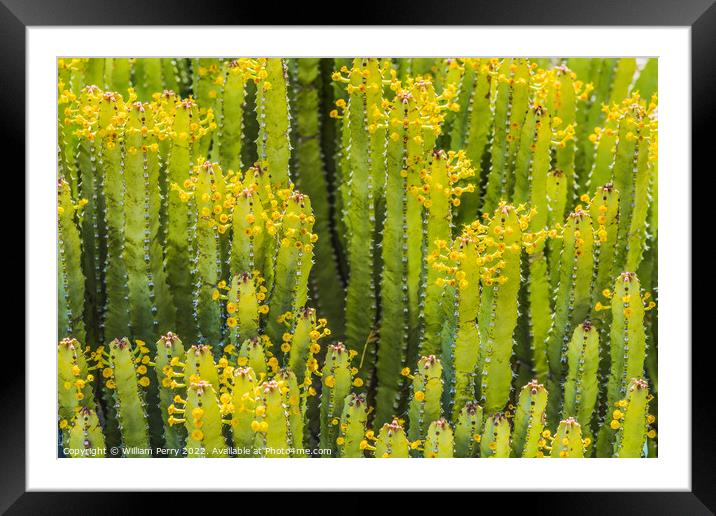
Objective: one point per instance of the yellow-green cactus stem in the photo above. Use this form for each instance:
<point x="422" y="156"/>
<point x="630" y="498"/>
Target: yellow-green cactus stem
<point x="394" y="323"/>
<point x="647" y="82"/>
<point x="118" y="73"/>
<point x="627" y="347"/>
<point x="467" y="430"/>
<point x="147" y="77"/>
<point x="631" y="420"/>
<point x="244" y="397"/>
<point x="510" y="107"/>
<point x="74" y="382"/>
<point x="538" y="286"/>
<point x="136" y="247"/>
<point x="604" y="210"/>
<point x="313" y="177"/>
<point x="168" y="367"/>
<point x="495" y="441"/>
<point x="253" y="354"/>
<point x="184" y="135"/>
<point x="567" y="441"/>
<point x="425" y="403"/>
<point x="294" y="260"/>
<point x="556" y="204"/>
<point x="481" y="115"/>
<point x="351" y="442"/>
<point x="573" y="297"/>
<point x="605" y="140"/>
<point x="304" y="344"/>
<point x="202" y="420"/>
<point x="336" y="379"/>
<point x="581" y="386"/>
<point x="273" y="434"/>
<point x="112" y="117"/>
<point x="242" y="307"/>
<point x="86" y="439"/>
<point x="641" y="201"/>
<point x="438" y="193"/>
<point x="295" y="406"/>
<point x="564" y="108"/>
<point x="622" y="79"/>
<point x="529" y="420"/>
<point x="226" y="147"/>
<point x="498" y="308"/>
<point x="392" y="442"/>
<point x="360" y="212"/>
<point x="274" y="119"/>
<point x="440" y="442"/>
<point x="127" y="382"/>
<point x="251" y="232"/>
<point x="92" y="223"/>
<point x="72" y="279"/>
<point x="199" y="361"/>
<point x="209" y="203"/>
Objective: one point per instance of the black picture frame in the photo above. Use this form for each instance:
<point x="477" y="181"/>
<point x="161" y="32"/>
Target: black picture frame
<point x="700" y="15"/>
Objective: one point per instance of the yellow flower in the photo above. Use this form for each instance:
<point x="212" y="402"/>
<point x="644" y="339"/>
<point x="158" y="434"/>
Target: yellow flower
<point x="197" y="435"/>
<point x="231" y="322"/>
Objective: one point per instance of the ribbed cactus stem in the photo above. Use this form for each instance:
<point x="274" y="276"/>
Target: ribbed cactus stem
<point x="467" y="430"/>
<point x="274" y="433"/>
<point x="351" y="443"/>
<point x="168" y="367"/>
<point x="128" y="397"/>
<point x="567" y="441"/>
<point x="632" y="421"/>
<point x="581" y="386"/>
<point x="203" y="422"/>
<point x="604" y="210"/>
<point x="71" y="277"/>
<point x="498" y="308"/>
<point x="252" y="353"/>
<point x="85" y="436"/>
<point x="74" y="382"/>
<point x="495" y="440"/>
<point x="529" y="420"/>
<point x="336" y="384"/>
<point x="112" y="116"/>
<point x="392" y="442"/>
<point x="440" y="442"/>
<point x="243" y="401"/>
<point x="424" y="407"/>
<point x="573" y="297"/>
<point x="274" y="119"/>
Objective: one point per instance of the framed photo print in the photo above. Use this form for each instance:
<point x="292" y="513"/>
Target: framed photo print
<point x="259" y="258"/>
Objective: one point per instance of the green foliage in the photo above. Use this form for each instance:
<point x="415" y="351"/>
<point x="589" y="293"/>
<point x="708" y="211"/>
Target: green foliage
<point x="467" y="218"/>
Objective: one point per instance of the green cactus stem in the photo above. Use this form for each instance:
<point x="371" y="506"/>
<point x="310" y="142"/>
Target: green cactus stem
<point x="169" y="353"/>
<point x="498" y="308"/>
<point x="573" y="297"/>
<point x="604" y="210"/>
<point x="425" y="404"/>
<point x="72" y="279"/>
<point x="627" y="347"/>
<point x="273" y="116"/>
<point x="243" y="406"/>
<point x="467" y="430"/>
<point x="327" y="291"/>
<point x="440" y="441"/>
<point x="529" y="420"/>
<point x="112" y="116"/>
<point x="127" y="384"/>
<point x="136" y="216"/>
<point x="336" y="384"/>
<point x="86" y="439"/>
<point x="253" y="354"/>
<point x="273" y="434"/>
<point x="351" y="443"/>
<point x="202" y="420"/>
<point x="74" y="382"/>
<point x="392" y="442"/>
<point x="567" y="441"/>
<point x="631" y="421"/>
<point x="495" y="442"/>
<point x="581" y="386"/>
